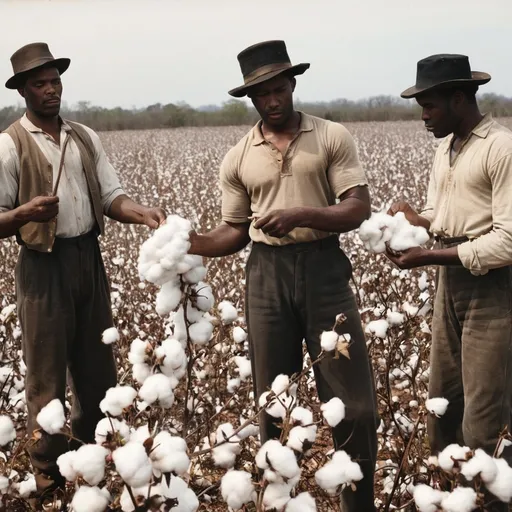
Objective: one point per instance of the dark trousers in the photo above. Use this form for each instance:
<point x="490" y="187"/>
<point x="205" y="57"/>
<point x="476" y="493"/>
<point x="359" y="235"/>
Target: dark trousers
<point x="471" y="359"/>
<point x="293" y="294"/>
<point x="63" y="300"/>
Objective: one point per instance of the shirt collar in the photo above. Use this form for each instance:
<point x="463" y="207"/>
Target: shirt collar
<point x="31" y="127"/>
<point x="481" y="130"/>
<point x="306" y="125"/>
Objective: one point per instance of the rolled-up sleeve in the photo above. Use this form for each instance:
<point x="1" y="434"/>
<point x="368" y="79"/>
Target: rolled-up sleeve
<point x="110" y="186"/>
<point x="345" y="170"/>
<point x="9" y="172"/>
<point x="236" y="204"/>
<point x="493" y="249"/>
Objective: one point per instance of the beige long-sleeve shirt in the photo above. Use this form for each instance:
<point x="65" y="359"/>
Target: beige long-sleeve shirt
<point x="470" y="194"/>
<point x="75" y="216"/>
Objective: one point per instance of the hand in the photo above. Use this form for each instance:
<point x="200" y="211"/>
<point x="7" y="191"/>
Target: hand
<point x="410" y="214"/>
<point x="278" y="223"/>
<point x="39" y="209"/>
<point x="154" y="217"/>
<point x="410" y="258"/>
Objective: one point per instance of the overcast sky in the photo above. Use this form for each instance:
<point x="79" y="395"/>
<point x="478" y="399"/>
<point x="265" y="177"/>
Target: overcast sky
<point x="134" y="53"/>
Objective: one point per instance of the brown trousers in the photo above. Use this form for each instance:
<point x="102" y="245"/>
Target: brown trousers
<point x="293" y="294"/>
<point x="63" y="302"/>
<point x="471" y="359"/>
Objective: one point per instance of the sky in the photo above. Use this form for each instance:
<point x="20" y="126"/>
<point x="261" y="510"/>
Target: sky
<point x="136" y="53"/>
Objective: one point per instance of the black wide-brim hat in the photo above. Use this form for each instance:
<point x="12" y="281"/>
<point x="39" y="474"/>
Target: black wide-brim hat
<point x="31" y="57"/>
<point x="444" y="70"/>
<point x="263" y="61"/>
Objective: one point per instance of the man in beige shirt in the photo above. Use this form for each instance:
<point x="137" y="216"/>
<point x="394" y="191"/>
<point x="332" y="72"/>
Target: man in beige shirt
<point x="469" y="212"/>
<point x="290" y="186"/>
<point x="56" y="186"/>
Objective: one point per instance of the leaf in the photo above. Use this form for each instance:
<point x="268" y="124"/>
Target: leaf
<point x="342" y="347"/>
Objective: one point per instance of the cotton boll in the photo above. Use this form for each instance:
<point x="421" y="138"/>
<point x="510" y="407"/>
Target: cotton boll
<point x="27" y="487"/>
<point x="437" y="406"/>
<point x="117" y="399"/>
<point x="239" y="335"/>
<point x="204" y="296"/>
<point x="137" y="354"/>
<point x="276" y="496"/>
<point x="157" y="387"/>
<point x="223" y="456"/>
<point x="188" y="262"/>
<point x="195" y="275"/>
<point x="90" y="499"/>
<point x="7" y="431"/>
<point x="300" y="437"/>
<point x="51" y="418"/>
<point x="168" y="298"/>
<point x="174" y="358"/>
<point x="133" y="464"/>
<point x="66" y="467"/>
<point x="201" y="332"/>
<point x="303" y="502"/>
<point x="302" y="416"/>
<point x="244" y="367"/>
<point x="178" y="489"/>
<point x="228" y="312"/>
<point x="233" y="385"/>
<point x="480" y="464"/>
<point x="4" y="485"/>
<point x="237" y="489"/>
<point x="328" y="340"/>
<point x="427" y="499"/>
<point x="280" y="459"/>
<point x="89" y="462"/>
<point x="461" y="499"/>
<point x="110" y="336"/>
<point x="395" y="318"/>
<point x="333" y="411"/>
<point x="501" y="486"/>
<point x="378" y="327"/>
<point x="340" y="471"/>
<point x="248" y="431"/>
<point x="280" y="384"/>
<point x="140" y="494"/>
<point x="169" y="454"/>
<point x="451" y="453"/>
<point x="108" y="426"/>
<point x="141" y="372"/>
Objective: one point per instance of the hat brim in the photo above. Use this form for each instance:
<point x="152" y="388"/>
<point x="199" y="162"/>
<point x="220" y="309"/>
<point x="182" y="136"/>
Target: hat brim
<point x="478" y="78"/>
<point x="16" y="81"/>
<point x="297" y="69"/>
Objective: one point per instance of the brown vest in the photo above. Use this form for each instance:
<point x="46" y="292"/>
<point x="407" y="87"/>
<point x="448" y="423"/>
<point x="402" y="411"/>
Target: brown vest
<point x="36" y="179"/>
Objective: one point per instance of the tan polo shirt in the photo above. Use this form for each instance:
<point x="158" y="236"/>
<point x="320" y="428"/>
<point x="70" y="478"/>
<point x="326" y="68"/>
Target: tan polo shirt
<point x="321" y="163"/>
<point x="472" y="196"/>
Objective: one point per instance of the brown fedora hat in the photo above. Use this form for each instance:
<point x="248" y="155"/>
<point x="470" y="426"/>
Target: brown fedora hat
<point x="444" y="70"/>
<point x="31" y="57"/>
<point x="263" y="61"/>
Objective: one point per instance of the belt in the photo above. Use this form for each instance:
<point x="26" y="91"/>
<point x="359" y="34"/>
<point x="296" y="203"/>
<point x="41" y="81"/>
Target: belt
<point x="323" y="244"/>
<point x="76" y="240"/>
<point x="451" y="240"/>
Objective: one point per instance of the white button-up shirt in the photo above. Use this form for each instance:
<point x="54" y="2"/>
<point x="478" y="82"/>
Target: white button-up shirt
<point x="76" y="216"/>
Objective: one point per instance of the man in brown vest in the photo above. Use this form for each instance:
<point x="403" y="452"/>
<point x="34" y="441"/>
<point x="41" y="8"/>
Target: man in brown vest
<point x="56" y="185"/>
<point x="299" y="179"/>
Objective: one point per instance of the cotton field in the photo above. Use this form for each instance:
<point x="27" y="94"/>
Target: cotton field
<point x="181" y="431"/>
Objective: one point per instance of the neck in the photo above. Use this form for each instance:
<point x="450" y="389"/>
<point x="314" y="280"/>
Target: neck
<point x="47" y="124"/>
<point x="468" y="123"/>
<point x="291" y="125"/>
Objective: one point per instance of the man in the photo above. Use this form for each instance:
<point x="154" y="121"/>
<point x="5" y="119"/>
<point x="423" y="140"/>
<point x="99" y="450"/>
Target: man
<point x="469" y="212"/>
<point x="55" y="207"/>
<point x="286" y="175"/>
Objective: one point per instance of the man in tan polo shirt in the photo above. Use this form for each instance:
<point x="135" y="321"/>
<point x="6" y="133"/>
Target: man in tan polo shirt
<point x="469" y="212"/>
<point x="286" y="175"/>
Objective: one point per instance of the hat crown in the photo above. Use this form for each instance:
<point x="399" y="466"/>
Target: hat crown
<point x="263" y="54"/>
<point x="442" y="68"/>
<point x="30" y="54"/>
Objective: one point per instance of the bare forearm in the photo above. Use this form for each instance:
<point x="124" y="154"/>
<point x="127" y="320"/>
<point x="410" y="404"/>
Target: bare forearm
<point x="10" y="223"/>
<point x="222" y="241"/>
<point x="449" y="256"/>
<point x="423" y="222"/>
<point x="123" y="209"/>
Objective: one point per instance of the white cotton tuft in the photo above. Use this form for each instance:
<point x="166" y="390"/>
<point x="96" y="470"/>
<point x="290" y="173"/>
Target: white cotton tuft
<point x="461" y="499"/>
<point x="501" y="486"/>
<point x="239" y="335"/>
<point x="233" y="385"/>
<point x="329" y="340"/>
<point x="301" y="437"/>
<point x="27" y="487"/>
<point x="480" y="464"/>
<point x="169" y="454"/>
<point x="340" y="471"/>
<point x="141" y="371"/>
<point x="302" y="416"/>
<point x="333" y="411"/>
<point x="279" y="459"/>
<point x="244" y="367"/>
<point x="133" y="464"/>
<point x="228" y="312"/>
<point x="427" y="499"/>
<point x="157" y="387"/>
<point x="303" y="502"/>
<point x="437" y="406"/>
<point x="168" y="297"/>
<point x="7" y="430"/>
<point x="201" y="332"/>
<point x="178" y="489"/>
<point x="109" y="426"/>
<point x="117" y="399"/>
<point x="90" y="499"/>
<point x="204" y="296"/>
<point x="225" y="454"/>
<point x="277" y="495"/>
<point x="395" y="318"/>
<point x="89" y="462"/>
<point x="137" y="354"/>
<point x="378" y="327"/>
<point x="110" y="336"/>
<point x="51" y="417"/>
<point x="452" y="453"/>
<point x="237" y="489"/>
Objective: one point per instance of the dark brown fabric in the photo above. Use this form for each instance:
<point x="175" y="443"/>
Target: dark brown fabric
<point x="63" y="301"/>
<point x="295" y="292"/>
<point x="471" y="359"/>
<point x="36" y="179"/>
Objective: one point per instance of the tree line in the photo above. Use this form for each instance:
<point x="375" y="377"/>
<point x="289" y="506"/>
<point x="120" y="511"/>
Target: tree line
<point x="236" y="112"/>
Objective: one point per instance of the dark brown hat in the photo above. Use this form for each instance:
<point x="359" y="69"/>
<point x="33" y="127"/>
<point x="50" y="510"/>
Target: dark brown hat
<point x="444" y="70"/>
<point x="263" y="61"/>
<point x="31" y="57"/>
